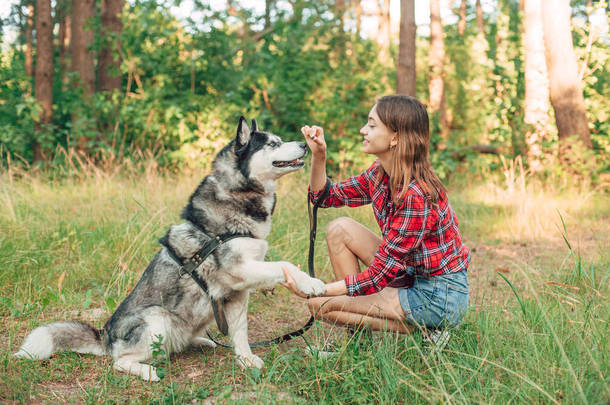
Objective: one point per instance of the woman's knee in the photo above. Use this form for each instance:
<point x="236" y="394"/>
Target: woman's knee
<point x="337" y="231"/>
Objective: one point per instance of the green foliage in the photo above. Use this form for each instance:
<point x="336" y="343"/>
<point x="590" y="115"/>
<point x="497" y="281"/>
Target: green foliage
<point x="508" y="79"/>
<point x="18" y="111"/>
<point x="592" y="49"/>
<point x="160" y="359"/>
<point x="185" y="83"/>
<point x="185" y="86"/>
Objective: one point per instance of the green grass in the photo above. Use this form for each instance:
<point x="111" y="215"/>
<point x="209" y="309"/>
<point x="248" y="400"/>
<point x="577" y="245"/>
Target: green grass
<point x="536" y="331"/>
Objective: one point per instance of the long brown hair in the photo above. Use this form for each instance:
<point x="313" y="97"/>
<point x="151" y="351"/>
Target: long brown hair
<point x="408" y="117"/>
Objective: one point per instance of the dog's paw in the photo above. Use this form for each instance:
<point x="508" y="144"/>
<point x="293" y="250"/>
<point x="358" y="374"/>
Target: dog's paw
<point x="250" y="361"/>
<point x="150" y="374"/>
<point x="311" y="286"/>
<point x="318" y="286"/>
<point x="22" y="354"/>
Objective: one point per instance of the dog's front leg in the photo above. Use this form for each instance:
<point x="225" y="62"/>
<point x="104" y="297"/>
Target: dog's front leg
<point x="256" y="274"/>
<point x="236" y="312"/>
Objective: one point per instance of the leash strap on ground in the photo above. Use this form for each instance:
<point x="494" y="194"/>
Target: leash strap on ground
<point x="313" y="225"/>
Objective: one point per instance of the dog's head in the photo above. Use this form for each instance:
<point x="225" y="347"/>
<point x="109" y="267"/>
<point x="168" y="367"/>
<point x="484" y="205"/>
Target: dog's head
<point x="263" y="155"/>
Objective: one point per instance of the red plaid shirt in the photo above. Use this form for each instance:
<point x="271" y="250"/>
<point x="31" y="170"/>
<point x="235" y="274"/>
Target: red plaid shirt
<point x="416" y="233"/>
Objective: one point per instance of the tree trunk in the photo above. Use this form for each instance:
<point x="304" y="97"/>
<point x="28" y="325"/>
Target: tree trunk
<point x="82" y="57"/>
<point x="383" y="34"/>
<point x="29" y="26"/>
<point x="268" y="7"/>
<point x="480" y="45"/>
<point x="405" y="69"/>
<point x="480" y="19"/>
<point x="462" y="20"/>
<point x="63" y="36"/>
<point x="44" y="70"/>
<point x="358" y="13"/>
<point x="81" y="40"/>
<point x="436" y="84"/>
<point x="536" y="84"/>
<point x="565" y="86"/>
<point x="109" y="61"/>
<point x="340" y="12"/>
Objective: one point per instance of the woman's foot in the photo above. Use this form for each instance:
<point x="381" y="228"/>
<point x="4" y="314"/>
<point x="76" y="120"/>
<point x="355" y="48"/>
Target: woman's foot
<point x="361" y="337"/>
<point x="322" y="352"/>
<point x="435" y="340"/>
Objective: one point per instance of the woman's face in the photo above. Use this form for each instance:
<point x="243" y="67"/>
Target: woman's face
<point x="377" y="137"/>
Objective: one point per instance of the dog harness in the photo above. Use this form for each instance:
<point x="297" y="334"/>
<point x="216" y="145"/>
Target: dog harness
<point x="189" y="266"/>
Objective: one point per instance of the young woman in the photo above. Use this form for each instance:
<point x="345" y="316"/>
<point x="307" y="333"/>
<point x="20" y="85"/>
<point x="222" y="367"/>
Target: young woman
<point x="415" y="273"/>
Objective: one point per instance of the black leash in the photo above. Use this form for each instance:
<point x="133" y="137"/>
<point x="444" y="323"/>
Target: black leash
<point x="313" y="225"/>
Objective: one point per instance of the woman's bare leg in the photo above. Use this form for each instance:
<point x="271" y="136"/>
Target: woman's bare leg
<point x="348" y="242"/>
<point x="380" y="311"/>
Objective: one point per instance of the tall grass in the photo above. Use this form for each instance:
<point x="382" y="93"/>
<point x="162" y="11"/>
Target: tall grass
<point x="73" y="243"/>
<point x="517" y="206"/>
<point x="551" y="347"/>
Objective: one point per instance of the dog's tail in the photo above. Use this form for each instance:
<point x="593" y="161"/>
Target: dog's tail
<point x="78" y="337"/>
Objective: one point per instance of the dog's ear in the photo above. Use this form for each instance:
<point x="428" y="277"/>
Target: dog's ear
<point x="243" y="135"/>
<point x="254" y="126"/>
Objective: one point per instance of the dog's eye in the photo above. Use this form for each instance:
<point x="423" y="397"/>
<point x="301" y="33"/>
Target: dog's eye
<point x="274" y="144"/>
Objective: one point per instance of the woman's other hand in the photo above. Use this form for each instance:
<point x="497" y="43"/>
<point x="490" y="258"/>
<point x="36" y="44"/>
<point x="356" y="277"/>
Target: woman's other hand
<point x="314" y="136"/>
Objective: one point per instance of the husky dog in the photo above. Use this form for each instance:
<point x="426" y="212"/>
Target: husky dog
<point x="238" y="197"/>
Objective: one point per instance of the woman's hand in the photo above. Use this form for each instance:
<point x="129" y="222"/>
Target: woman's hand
<point x="291" y="284"/>
<point x="332" y="289"/>
<point x="314" y="136"/>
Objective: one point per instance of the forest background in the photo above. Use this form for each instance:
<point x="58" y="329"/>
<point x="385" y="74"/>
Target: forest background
<point x="112" y="79"/>
<point x="111" y="112"/>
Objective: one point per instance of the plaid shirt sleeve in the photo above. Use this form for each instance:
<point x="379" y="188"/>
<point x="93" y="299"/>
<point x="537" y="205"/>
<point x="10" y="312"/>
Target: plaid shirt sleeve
<point x="352" y="192"/>
<point x="407" y="227"/>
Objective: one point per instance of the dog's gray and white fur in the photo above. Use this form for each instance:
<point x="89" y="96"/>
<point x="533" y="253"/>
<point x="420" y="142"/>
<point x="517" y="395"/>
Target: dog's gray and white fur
<point x="238" y="197"/>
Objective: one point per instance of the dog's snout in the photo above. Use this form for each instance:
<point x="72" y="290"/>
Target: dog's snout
<point x="303" y="146"/>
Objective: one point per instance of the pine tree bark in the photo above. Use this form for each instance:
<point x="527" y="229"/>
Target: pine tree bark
<point x="81" y="39"/>
<point x="536" y="84"/>
<point x="436" y="84"/>
<point x="268" y="7"/>
<point x="405" y="69"/>
<point x="462" y="20"/>
<point x="340" y="12"/>
<point x="480" y="19"/>
<point x="480" y="45"/>
<point x="63" y="36"/>
<point x="109" y="62"/>
<point x="29" y="26"/>
<point x="565" y="86"/>
<point x="82" y="58"/>
<point x="44" y="70"/>
<point x="358" y="16"/>
<point x="383" y="34"/>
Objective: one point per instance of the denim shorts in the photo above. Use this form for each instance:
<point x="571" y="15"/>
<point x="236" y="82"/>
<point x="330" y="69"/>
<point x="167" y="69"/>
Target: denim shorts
<point x="438" y="301"/>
